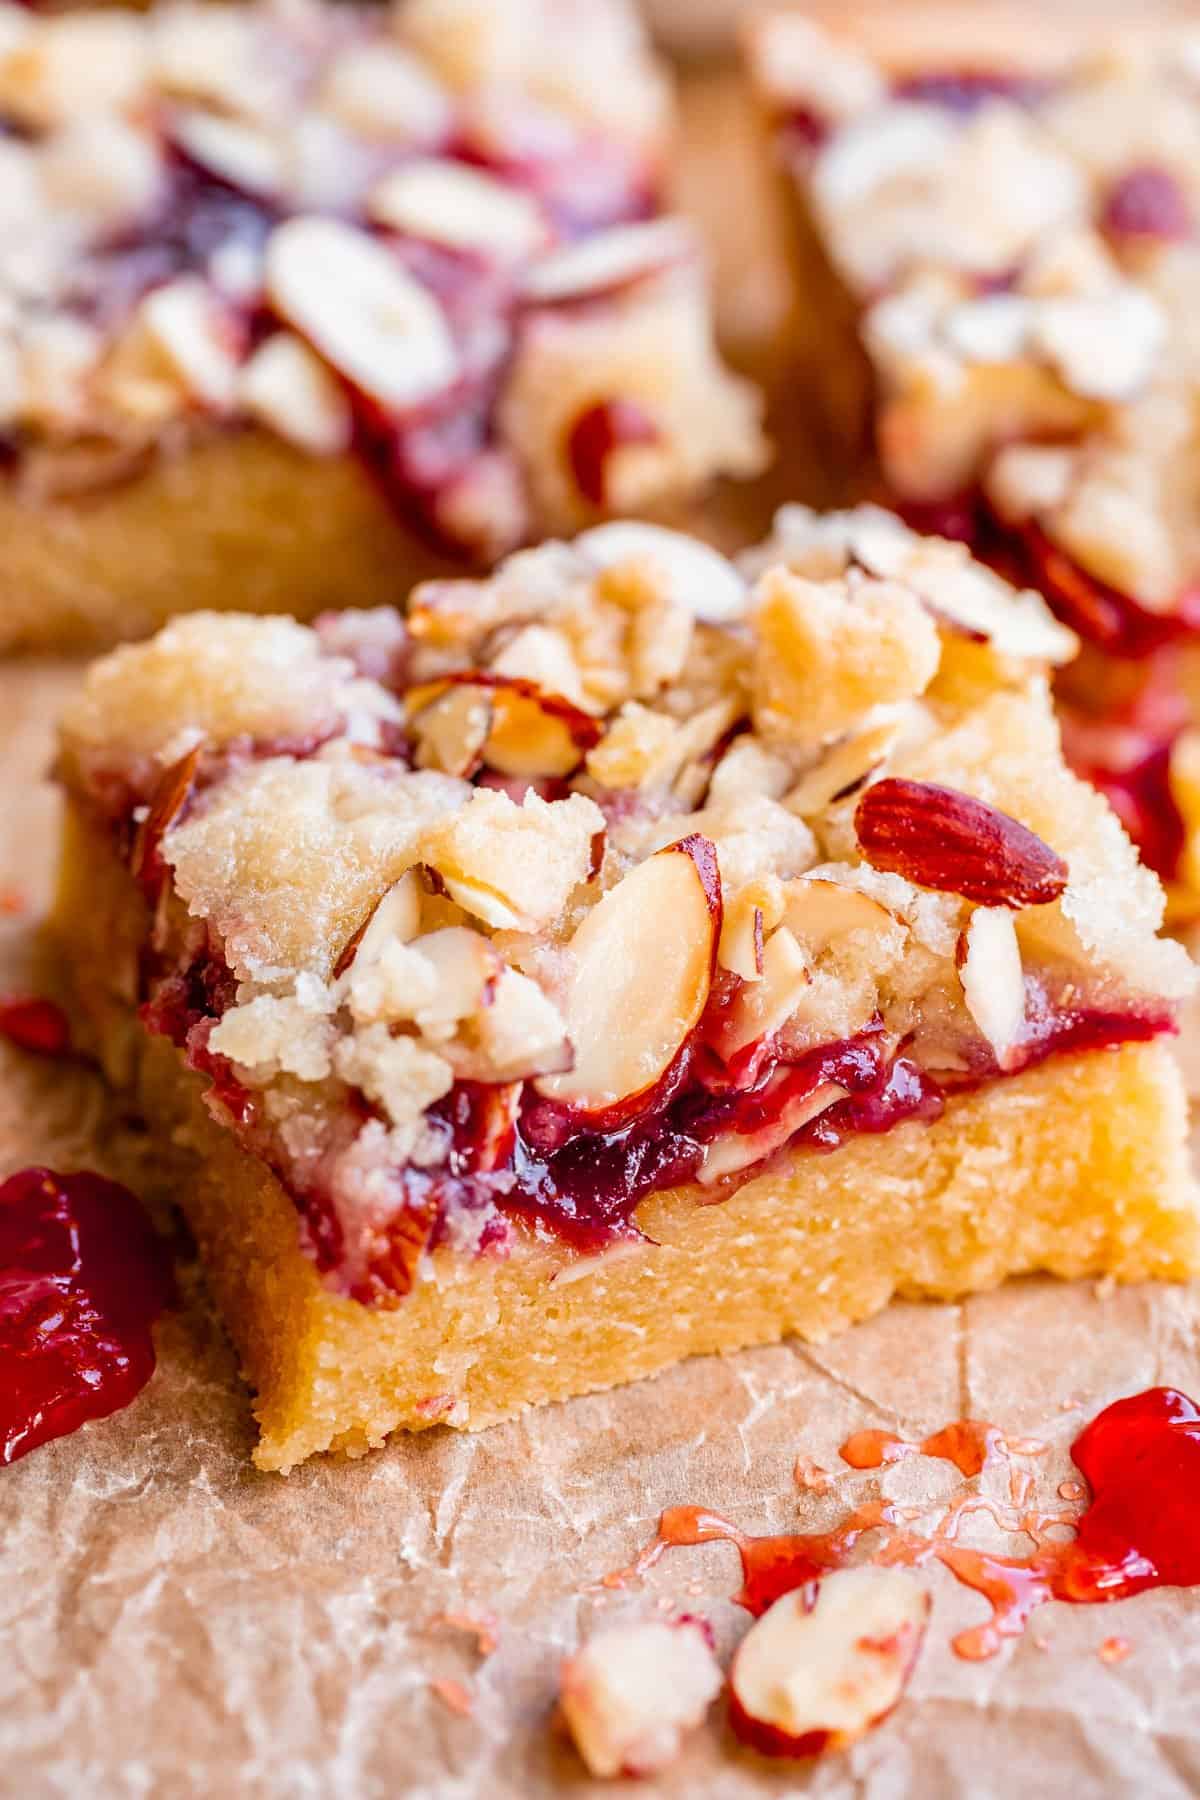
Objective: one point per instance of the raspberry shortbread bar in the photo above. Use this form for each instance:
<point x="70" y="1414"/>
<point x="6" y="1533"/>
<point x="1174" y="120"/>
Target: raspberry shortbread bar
<point x="626" y="956"/>
<point x="1006" y="259"/>
<point x="299" y="304"/>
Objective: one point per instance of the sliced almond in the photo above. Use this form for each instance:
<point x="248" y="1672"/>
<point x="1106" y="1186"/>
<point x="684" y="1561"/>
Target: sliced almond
<point x="452" y="730"/>
<point x="449" y="203"/>
<point x="520" y="1034"/>
<point x="843" y="769"/>
<point x="816" y="1672"/>
<point x="246" y="157"/>
<point x="466" y="970"/>
<point x="397" y="916"/>
<point x="530" y="734"/>
<point x="736" y="1150"/>
<point x="381" y="91"/>
<point x="643" y="963"/>
<point x="697" y="576"/>
<point x="750" y="917"/>
<point x="195" y="334"/>
<point x="764" y="1007"/>
<point x="349" y="297"/>
<point x="993" y="981"/>
<point x="102" y="168"/>
<point x="291" y="390"/>
<point x="607" y="260"/>
<point x="633" y="1690"/>
<point x="819" y="912"/>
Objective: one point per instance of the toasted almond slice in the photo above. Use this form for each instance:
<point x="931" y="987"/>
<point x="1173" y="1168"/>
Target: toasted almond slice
<point x="814" y="1673"/>
<point x="643" y="963"/>
<point x="698" y="576"/>
<point x="750" y="918"/>
<point x="381" y="91"/>
<point x="980" y="604"/>
<point x="247" y="158"/>
<point x="764" y="1006"/>
<point x="607" y="260"/>
<point x="195" y="333"/>
<point x="632" y="1691"/>
<point x="290" y="389"/>
<point x="530" y="733"/>
<point x="466" y="970"/>
<point x="348" y="296"/>
<point x="452" y="730"/>
<point x="843" y="769"/>
<point x="449" y="203"/>
<point x="397" y="915"/>
<point x="819" y="912"/>
<point x="520" y="1034"/>
<point x="738" y="1150"/>
<point x="993" y="981"/>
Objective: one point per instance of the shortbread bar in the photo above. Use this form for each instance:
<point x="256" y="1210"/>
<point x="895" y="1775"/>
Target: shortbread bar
<point x="1005" y="253"/>
<point x="299" y="304"/>
<point x="626" y="956"/>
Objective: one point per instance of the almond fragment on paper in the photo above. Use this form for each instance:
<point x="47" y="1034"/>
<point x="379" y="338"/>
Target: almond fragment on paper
<point x="632" y="1691"/>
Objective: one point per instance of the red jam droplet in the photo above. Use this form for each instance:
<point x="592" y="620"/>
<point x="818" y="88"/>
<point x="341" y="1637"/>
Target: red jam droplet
<point x="82" y="1279"/>
<point x="1147" y="203"/>
<point x="1141" y="1530"/>
<point x="596" y="434"/>
<point x="36" y="1025"/>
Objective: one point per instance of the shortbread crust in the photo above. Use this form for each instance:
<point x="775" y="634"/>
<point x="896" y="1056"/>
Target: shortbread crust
<point x="412" y="262"/>
<point x="541" y="1065"/>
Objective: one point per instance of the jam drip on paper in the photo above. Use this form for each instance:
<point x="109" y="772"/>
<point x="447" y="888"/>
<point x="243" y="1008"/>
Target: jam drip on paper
<point x="83" y="1277"/>
<point x="1140" y="1529"/>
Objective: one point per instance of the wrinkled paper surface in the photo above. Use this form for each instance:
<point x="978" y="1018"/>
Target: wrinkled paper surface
<point x="176" y="1623"/>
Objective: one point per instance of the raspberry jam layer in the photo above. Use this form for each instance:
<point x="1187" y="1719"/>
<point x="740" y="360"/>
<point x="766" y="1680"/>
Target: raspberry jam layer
<point x="83" y="1277"/>
<point x="424" y="458"/>
<point x="510" y="1155"/>
<point x="1140" y="1529"/>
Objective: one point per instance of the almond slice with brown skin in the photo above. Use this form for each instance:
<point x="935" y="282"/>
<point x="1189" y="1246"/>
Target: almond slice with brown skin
<point x="735" y="1151"/>
<point x="347" y="294"/>
<point x="763" y="1007"/>
<point x="530" y="733"/>
<point x="817" y="1671"/>
<point x="397" y="914"/>
<point x="607" y="260"/>
<point x="452" y="730"/>
<point x="819" y="912"/>
<point x="843" y="769"/>
<point x="449" y="203"/>
<point x="993" y="981"/>
<point x="698" y="577"/>
<point x="942" y="839"/>
<point x="643" y="966"/>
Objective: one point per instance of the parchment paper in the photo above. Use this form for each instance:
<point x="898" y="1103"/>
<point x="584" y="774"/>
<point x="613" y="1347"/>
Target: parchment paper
<point x="173" y="1623"/>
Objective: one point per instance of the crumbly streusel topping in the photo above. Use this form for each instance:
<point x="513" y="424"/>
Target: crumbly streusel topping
<point x="1025" y="250"/>
<point x="400" y="232"/>
<point x="532" y="836"/>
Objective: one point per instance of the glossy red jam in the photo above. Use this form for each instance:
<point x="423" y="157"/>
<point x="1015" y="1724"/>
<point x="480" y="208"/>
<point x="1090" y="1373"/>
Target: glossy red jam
<point x="1147" y="203"/>
<point x="35" y="1024"/>
<point x="964" y="91"/>
<point x="1141" y="1528"/>
<point x="83" y="1277"/>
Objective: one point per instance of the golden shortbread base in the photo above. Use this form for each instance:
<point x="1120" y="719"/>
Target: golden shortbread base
<point x="1078" y="1167"/>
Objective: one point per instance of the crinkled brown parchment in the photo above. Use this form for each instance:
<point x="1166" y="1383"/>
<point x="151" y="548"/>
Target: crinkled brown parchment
<point x="174" y="1623"/>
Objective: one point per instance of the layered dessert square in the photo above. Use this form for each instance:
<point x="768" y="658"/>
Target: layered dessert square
<point x="299" y="304"/>
<point x="626" y="956"/>
<point x="997" y="252"/>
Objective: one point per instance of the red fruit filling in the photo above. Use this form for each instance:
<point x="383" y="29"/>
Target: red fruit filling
<point x="35" y="1024"/>
<point x="83" y="1277"/>
<point x="596" y="434"/>
<point x="1147" y="203"/>
<point x="966" y="90"/>
<point x="511" y="1155"/>
<point x="419" y="458"/>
